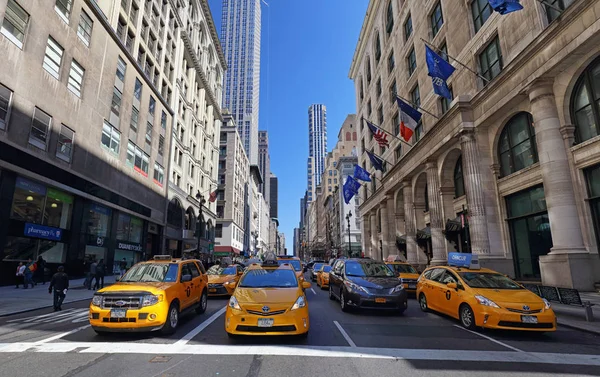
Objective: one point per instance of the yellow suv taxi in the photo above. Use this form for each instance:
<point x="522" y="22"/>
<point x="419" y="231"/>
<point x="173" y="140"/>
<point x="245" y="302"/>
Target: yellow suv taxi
<point x="151" y="296"/>
<point x="406" y="272"/>
<point x="269" y="300"/>
<point x="295" y="262"/>
<point x="480" y="297"/>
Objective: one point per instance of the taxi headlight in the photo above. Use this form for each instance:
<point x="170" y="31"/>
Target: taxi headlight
<point x="149" y="300"/>
<point x="398" y="288"/>
<point x="355" y="287"/>
<point x="233" y="303"/>
<point x="97" y="300"/>
<point x="300" y="303"/>
<point x="486" y="301"/>
<point x="546" y="303"/>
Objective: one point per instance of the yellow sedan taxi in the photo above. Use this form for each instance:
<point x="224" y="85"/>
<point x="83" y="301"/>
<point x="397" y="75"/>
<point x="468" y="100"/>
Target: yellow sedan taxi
<point x="323" y="276"/>
<point x="151" y="296"/>
<point x="480" y="297"/>
<point x="295" y="262"/>
<point x="221" y="279"/>
<point x="407" y="273"/>
<point x="269" y="300"/>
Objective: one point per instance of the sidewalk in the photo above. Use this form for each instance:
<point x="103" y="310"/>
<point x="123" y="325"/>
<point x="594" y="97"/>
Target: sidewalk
<point x="14" y="301"/>
<point x="574" y="316"/>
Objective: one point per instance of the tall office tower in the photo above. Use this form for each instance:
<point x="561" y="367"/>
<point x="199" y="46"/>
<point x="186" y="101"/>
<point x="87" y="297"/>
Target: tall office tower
<point x="274" y="190"/>
<point x="264" y="164"/>
<point x="317" y="144"/>
<point x="240" y="37"/>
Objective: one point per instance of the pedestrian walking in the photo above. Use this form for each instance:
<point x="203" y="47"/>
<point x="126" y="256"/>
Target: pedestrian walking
<point x="60" y="284"/>
<point x="122" y="267"/>
<point x="39" y="275"/>
<point x="93" y="269"/>
<point x="19" y="275"/>
<point x="100" y="273"/>
<point x="28" y="274"/>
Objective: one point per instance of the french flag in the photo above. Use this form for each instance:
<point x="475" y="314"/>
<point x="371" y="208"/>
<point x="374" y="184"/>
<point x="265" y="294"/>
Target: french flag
<point x="409" y="119"/>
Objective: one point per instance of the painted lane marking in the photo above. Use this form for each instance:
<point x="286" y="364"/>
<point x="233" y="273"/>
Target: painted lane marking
<point x="491" y="339"/>
<point x="306" y="351"/>
<point x="58" y="336"/>
<point x="313" y="291"/>
<point x="345" y="334"/>
<point x="187" y="337"/>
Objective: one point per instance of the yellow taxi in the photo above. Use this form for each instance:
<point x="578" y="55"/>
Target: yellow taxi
<point x="268" y="300"/>
<point x="481" y="297"/>
<point x="295" y="262"/>
<point x="406" y="272"/>
<point x="323" y="276"/>
<point x="221" y="279"/>
<point x="151" y="296"/>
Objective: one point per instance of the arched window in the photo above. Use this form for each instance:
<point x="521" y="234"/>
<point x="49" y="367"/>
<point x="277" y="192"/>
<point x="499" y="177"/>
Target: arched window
<point x="175" y="214"/>
<point x="389" y="25"/>
<point x="585" y="103"/>
<point x="517" y="149"/>
<point x="368" y="74"/>
<point x="377" y="48"/>
<point x="459" y="183"/>
<point x="354" y="136"/>
<point x="347" y="136"/>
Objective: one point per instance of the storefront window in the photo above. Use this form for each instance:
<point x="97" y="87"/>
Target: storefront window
<point x="53" y="252"/>
<point x="592" y="176"/>
<point x="28" y="201"/>
<point x="21" y="249"/>
<point x="57" y="211"/>
<point x="129" y="228"/>
<point x="97" y="220"/>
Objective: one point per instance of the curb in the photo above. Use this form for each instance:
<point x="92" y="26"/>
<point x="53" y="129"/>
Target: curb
<point x="40" y="307"/>
<point x="586" y="330"/>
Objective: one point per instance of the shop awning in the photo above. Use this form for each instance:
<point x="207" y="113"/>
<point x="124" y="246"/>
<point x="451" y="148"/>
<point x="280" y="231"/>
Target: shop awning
<point x="453" y="225"/>
<point x="424" y="234"/>
<point x="223" y="251"/>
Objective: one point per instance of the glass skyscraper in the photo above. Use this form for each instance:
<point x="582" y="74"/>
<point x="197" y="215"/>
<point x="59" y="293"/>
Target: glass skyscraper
<point x="317" y="144"/>
<point x="240" y="38"/>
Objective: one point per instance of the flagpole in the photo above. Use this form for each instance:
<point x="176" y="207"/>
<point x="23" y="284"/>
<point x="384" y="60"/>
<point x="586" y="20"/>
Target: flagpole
<point x="417" y="106"/>
<point x="391" y="134"/>
<point x="463" y="65"/>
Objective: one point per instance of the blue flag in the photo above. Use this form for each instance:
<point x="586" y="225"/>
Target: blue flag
<point x="350" y="188"/>
<point x="362" y="174"/>
<point x="376" y="161"/>
<point x="439" y="70"/>
<point x="506" y="6"/>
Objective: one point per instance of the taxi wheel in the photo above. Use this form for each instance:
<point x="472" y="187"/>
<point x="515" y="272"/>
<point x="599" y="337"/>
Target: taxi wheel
<point x="203" y="303"/>
<point x="172" y="320"/>
<point x="467" y="317"/>
<point x="423" y="303"/>
<point x="343" y="304"/>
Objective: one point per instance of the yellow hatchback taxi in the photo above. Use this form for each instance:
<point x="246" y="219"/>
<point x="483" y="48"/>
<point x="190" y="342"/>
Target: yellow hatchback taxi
<point x="323" y="276"/>
<point x="151" y="296"/>
<point x="221" y="279"/>
<point x="406" y="272"/>
<point x="480" y="297"/>
<point x="269" y="300"/>
<point x="295" y="262"/>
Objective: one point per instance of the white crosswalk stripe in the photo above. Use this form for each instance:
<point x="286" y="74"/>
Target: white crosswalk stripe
<point x="67" y="315"/>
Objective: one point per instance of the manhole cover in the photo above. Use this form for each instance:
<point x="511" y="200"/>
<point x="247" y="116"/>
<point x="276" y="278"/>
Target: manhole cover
<point x="160" y="359"/>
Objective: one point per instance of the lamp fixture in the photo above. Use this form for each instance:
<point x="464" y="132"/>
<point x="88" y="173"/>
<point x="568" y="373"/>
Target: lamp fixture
<point x="29" y="198"/>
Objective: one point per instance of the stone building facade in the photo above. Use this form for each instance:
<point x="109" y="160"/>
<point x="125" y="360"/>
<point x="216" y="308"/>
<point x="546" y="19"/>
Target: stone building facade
<point x="509" y="168"/>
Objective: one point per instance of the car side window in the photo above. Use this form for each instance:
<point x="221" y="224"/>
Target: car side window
<point x="185" y="270"/>
<point x="427" y="274"/>
<point x="194" y="269"/>
<point x="201" y="266"/>
<point x="448" y="277"/>
<point x="436" y="274"/>
<point x="339" y="267"/>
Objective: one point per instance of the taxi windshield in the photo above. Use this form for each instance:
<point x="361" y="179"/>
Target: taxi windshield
<point x="317" y="266"/>
<point x="369" y="269"/>
<point x="218" y="270"/>
<point x="488" y="280"/>
<point x="269" y="278"/>
<point x="402" y="268"/>
<point x="326" y="268"/>
<point x="293" y="262"/>
<point x="151" y="273"/>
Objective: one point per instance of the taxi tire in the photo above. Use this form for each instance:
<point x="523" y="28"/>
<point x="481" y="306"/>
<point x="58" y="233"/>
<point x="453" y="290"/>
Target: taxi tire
<point x="343" y="303"/>
<point x="423" y="303"/>
<point x="203" y="304"/>
<point x="466" y="310"/>
<point x="168" y="329"/>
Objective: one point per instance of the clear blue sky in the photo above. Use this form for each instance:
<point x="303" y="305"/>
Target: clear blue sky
<point x="306" y="52"/>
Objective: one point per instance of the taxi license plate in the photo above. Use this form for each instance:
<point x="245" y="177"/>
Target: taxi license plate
<point x="118" y="313"/>
<point x="529" y="319"/>
<point x="380" y="300"/>
<point x="212" y="290"/>
<point x="412" y="286"/>
<point x="265" y="322"/>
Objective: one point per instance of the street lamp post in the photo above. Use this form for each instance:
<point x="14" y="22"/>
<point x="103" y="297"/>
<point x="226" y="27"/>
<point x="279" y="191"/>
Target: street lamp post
<point x="201" y="200"/>
<point x="348" y="216"/>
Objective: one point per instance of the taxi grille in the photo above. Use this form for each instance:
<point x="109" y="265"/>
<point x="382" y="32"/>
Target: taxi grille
<point x="409" y="281"/>
<point x="525" y="325"/>
<point x="257" y="329"/>
<point x="276" y="312"/>
<point x="524" y="311"/>
<point x="219" y="289"/>
<point x="118" y="320"/>
<point x="117" y="302"/>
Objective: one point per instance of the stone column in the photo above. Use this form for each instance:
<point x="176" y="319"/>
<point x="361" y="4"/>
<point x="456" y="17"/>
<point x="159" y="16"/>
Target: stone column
<point x="567" y="264"/>
<point x="366" y="234"/>
<point x="435" y="215"/>
<point x="391" y="226"/>
<point x="478" y="231"/>
<point x="384" y="228"/>
<point x="374" y="246"/>
<point x="410" y="228"/>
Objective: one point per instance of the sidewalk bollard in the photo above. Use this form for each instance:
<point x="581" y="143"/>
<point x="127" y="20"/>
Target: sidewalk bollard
<point x="589" y="313"/>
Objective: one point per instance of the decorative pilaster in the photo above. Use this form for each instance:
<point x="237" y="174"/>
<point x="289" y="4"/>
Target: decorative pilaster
<point x="435" y="215"/>
<point x="374" y="247"/>
<point x="410" y="227"/>
<point x="384" y="228"/>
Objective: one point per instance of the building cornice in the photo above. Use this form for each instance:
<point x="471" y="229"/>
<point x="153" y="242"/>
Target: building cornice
<point x="363" y="37"/>
<point x="213" y="33"/>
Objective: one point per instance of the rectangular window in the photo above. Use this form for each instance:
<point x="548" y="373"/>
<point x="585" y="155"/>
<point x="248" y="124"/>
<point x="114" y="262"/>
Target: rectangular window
<point x="398" y="153"/>
<point x="490" y="60"/>
<point x="369" y="108"/>
<point x="64" y="147"/>
<point x="116" y="102"/>
<point x="393" y="92"/>
<point x="481" y="11"/>
<point x="130" y="154"/>
<point x="121" y="69"/>
<point x="53" y="57"/>
<point x="40" y="127"/>
<point x="139" y="158"/>
<point x="408" y="28"/>
<point x="163" y="120"/>
<point x="161" y="145"/>
<point x="396" y="124"/>
<point x="151" y="105"/>
<point x="84" y="30"/>
<point x="135" y="115"/>
<point x="411" y="62"/>
<point x="552" y="13"/>
<point x="444" y="51"/>
<point x="378" y="87"/>
<point x="76" y="74"/>
<point x="159" y="174"/>
<point x="415" y="96"/>
<point x="63" y="8"/>
<point x="15" y="23"/>
<point x="380" y="115"/>
<point x="5" y="105"/>
<point x="391" y="62"/>
<point x="149" y="133"/>
<point x="445" y="102"/>
<point x="437" y="19"/>
<point x="137" y="92"/>
<point x="111" y="138"/>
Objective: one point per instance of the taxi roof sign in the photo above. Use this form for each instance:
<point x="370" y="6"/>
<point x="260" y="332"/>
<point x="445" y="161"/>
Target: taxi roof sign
<point x="162" y="257"/>
<point x="466" y="260"/>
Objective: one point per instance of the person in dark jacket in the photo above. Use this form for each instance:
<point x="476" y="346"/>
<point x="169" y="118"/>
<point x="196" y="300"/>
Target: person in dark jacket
<point x="100" y="273"/>
<point x="39" y="274"/>
<point x="60" y="283"/>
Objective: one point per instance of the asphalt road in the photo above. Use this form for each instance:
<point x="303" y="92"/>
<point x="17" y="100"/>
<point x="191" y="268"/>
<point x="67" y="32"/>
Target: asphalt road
<point x="43" y="343"/>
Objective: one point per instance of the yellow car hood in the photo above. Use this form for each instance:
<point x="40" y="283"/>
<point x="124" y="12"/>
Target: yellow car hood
<point x="510" y="296"/>
<point x="133" y="287"/>
<point x="220" y="279"/>
<point x="267" y="295"/>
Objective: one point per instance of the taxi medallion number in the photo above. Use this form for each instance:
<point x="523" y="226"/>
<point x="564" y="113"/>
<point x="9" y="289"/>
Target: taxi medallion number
<point x="265" y="322"/>
<point x="380" y="300"/>
<point x="118" y="313"/>
<point x="529" y="319"/>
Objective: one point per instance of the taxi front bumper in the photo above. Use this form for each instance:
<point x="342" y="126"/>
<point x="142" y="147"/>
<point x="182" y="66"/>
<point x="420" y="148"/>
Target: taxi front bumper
<point x="502" y="319"/>
<point x="150" y="318"/>
<point x="359" y="299"/>
<point x="289" y="323"/>
<point x="324" y="283"/>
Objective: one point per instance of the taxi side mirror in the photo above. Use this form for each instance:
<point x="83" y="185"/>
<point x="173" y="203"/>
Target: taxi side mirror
<point x="305" y="285"/>
<point x="452" y="286"/>
<point x="186" y="278"/>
